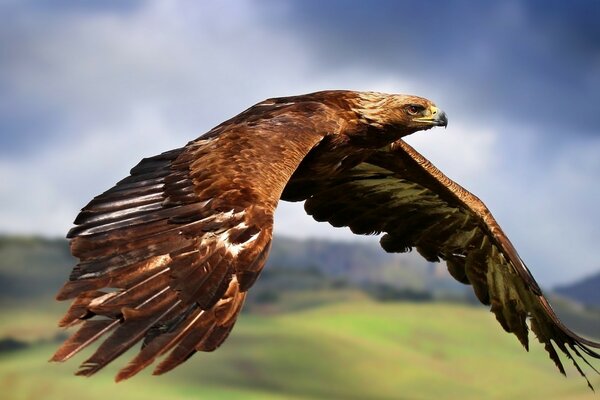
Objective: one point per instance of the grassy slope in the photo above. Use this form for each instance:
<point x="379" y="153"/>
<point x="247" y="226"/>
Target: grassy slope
<point x="356" y="350"/>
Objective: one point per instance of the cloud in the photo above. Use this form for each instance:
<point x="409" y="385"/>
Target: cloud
<point x="92" y="67"/>
<point x="551" y="211"/>
<point x="42" y="192"/>
<point x="86" y="91"/>
<point x="530" y="60"/>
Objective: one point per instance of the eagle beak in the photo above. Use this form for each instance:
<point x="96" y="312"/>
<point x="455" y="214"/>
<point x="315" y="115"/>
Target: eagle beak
<point x="440" y="118"/>
<point x="436" y="117"/>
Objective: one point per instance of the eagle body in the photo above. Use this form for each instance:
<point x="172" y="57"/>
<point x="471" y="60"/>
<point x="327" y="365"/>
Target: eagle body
<point x="167" y="255"/>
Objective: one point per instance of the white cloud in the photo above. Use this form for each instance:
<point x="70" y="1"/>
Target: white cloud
<point x="552" y="211"/>
<point x="43" y="192"/>
<point x="461" y="150"/>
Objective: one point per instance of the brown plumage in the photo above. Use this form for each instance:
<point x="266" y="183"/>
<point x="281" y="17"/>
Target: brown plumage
<point x="166" y="256"/>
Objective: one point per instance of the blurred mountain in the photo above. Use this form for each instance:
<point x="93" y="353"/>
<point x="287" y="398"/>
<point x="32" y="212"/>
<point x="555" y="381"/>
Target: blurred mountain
<point x="580" y="318"/>
<point x="585" y="291"/>
<point x="36" y="267"/>
<point x="32" y="267"/>
<point x="363" y="264"/>
<point x="301" y="274"/>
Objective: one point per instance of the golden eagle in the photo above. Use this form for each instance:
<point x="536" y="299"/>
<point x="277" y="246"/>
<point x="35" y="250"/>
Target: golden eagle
<point x="167" y="255"/>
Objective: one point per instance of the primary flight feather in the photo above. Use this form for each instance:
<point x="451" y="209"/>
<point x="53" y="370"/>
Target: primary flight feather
<point x="167" y="255"/>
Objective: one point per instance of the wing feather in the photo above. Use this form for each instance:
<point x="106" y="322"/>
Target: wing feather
<point x="166" y="255"/>
<point x="397" y="191"/>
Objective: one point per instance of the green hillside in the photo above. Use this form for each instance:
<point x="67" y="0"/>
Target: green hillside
<point x="32" y="267"/>
<point x="356" y="350"/>
<point x="307" y="332"/>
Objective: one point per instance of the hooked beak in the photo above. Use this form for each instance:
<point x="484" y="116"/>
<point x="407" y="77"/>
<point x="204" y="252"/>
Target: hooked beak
<point x="435" y="117"/>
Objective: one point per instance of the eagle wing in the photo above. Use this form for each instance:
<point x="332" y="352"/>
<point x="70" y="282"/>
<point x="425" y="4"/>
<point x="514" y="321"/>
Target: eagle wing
<point x="166" y="256"/>
<point x="397" y="191"/>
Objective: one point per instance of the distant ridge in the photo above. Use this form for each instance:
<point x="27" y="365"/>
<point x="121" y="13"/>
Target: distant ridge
<point x="33" y="266"/>
<point x="585" y="291"/>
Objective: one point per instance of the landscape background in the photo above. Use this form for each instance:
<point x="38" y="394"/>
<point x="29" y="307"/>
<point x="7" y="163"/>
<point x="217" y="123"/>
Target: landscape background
<point x="327" y="319"/>
<point x="87" y="89"/>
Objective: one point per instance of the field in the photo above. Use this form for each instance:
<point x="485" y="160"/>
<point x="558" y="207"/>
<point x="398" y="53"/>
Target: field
<point x="358" y="349"/>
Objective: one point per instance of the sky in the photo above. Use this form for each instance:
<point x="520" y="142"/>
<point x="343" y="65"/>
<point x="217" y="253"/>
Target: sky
<point x="87" y="89"/>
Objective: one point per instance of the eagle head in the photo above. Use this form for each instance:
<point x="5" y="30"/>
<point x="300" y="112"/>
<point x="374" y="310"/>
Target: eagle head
<point x="404" y="114"/>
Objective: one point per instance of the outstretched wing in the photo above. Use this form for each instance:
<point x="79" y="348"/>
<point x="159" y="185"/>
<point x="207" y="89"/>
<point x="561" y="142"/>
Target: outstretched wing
<point x="166" y="256"/>
<point x="397" y="191"/>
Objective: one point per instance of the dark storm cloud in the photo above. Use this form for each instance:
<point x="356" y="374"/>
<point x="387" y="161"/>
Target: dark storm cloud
<point x="537" y="61"/>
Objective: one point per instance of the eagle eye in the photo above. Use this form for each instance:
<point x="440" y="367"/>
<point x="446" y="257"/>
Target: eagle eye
<point x="414" y="109"/>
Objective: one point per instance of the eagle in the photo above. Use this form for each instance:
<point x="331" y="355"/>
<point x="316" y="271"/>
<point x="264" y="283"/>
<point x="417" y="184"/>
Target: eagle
<point x="167" y="255"/>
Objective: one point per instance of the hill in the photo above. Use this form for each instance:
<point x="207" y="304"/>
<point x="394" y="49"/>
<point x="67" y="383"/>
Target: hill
<point x="353" y="350"/>
<point x="311" y="272"/>
<point x="365" y="265"/>
<point x="585" y="291"/>
<point x="311" y="330"/>
<point x="34" y="267"/>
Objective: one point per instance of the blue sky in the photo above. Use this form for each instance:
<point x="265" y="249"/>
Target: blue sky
<point x="89" y="88"/>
